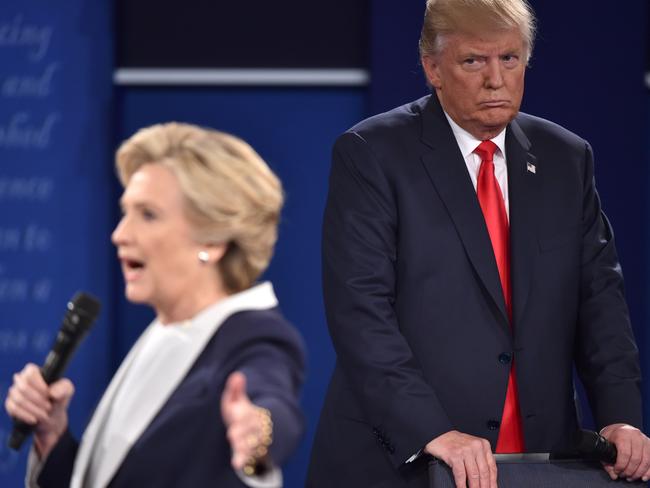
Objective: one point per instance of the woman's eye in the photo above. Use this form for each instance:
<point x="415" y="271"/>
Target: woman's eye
<point x="148" y="214"/>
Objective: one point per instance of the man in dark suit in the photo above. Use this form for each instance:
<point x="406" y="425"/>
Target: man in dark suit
<point x="467" y="268"/>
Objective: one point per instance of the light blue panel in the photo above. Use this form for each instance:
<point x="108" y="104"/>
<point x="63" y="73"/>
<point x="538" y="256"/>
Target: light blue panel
<point x="55" y="89"/>
<point x="293" y="130"/>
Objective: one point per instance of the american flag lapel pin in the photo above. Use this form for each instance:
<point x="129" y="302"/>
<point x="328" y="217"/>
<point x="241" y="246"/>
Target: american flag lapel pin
<point x="530" y="167"/>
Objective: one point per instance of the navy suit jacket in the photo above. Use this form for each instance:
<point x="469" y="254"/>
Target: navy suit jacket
<point x="186" y="443"/>
<point x="415" y="308"/>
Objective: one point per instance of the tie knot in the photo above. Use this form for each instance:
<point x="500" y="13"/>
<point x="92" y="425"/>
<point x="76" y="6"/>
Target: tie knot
<point x="486" y="150"/>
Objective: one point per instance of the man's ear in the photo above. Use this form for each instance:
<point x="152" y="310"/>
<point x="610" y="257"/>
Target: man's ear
<point x="431" y="70"/>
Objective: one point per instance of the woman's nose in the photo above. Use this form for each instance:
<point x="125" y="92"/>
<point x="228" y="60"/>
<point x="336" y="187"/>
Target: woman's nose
<point x="119" y="235"/>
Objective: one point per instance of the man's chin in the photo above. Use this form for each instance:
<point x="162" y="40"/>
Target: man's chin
<point x="497" y="116"/>
<point x="496" y="119"/>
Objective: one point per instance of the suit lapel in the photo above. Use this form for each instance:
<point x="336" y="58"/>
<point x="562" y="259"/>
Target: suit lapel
<point x="524" y="182"/>
<point x="446" y="168"/>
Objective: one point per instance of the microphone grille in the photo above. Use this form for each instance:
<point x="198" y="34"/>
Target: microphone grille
<point x="86" y="306"/>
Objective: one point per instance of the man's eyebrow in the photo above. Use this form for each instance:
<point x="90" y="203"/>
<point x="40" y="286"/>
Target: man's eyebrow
<point x="472" y="54"/>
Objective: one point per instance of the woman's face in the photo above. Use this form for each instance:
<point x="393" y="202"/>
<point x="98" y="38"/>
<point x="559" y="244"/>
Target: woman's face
<point x="154" y="242"/>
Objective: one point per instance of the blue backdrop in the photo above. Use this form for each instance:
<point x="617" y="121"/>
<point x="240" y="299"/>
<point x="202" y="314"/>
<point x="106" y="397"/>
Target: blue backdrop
<point x="61" y="120"/>
<point x="55" y="120"/>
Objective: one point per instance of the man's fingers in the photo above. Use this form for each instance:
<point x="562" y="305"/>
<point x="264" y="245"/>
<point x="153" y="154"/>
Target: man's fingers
<point x="623" y="448"/>
<point x="633" y="446"/>
<point x="458" y="470"/>
<point x="636" y="457"/>
<point x="491" y="464"/>
<point x="470" y="459"/>
<point x="639" y="457"/>
<point x="473" y="474"/>
<point x="646" y="476"/>
<point x="484" y="461"/>
<point x="644" y="466"/>
<point x="609" y="469"/>
<point x="477" y="465"/>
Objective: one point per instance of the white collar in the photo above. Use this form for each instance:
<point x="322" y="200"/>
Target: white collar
<point x="257" y="297"/>
<point x="467" y="142"/>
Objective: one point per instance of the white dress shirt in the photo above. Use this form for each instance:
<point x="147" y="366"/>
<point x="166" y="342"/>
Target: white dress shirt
<point x="467" y="143"/>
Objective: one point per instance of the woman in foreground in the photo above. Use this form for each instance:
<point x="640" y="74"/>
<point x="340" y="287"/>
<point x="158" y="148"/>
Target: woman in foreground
<point x="208" y="395"/>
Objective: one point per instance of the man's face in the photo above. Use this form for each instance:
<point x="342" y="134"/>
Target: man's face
<point x="479" y="79"/>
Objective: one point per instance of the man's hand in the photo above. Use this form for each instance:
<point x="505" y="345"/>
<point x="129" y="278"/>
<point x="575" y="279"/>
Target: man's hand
<point x="248" y="426"/>
<point x="633" y="446"/>
<point x="469" y="457"/>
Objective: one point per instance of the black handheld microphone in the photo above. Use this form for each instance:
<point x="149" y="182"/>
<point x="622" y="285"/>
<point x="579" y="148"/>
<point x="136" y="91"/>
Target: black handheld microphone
<point x="589" y="446"/>
<point x="82" y="311"/>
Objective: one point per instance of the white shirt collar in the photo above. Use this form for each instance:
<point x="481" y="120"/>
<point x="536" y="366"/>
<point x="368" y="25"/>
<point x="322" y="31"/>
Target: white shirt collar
<point x="257" y="297"/>
<point x="467" y="142"/>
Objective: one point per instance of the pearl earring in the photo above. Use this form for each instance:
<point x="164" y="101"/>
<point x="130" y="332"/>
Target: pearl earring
<point x="204" y="256"/>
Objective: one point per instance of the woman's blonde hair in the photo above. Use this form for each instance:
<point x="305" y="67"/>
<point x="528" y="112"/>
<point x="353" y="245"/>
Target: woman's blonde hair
<point x="231" y="195"/>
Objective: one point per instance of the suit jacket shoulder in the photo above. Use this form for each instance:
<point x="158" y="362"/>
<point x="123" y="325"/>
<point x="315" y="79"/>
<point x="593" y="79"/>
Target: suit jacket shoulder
<point x="258" y="325"/>
<point x="405" y="116"/>
<point x="544" y="133"/>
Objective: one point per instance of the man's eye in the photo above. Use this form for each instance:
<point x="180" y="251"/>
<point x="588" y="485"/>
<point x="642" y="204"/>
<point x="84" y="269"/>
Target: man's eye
<point x="473" y="64"/>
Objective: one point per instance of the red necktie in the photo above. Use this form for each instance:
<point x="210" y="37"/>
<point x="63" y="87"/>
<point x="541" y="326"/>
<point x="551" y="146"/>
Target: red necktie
<point x="490" y="198"/>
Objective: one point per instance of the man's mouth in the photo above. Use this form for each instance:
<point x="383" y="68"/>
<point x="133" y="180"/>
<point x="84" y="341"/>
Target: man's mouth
<point x="495" y="103"/>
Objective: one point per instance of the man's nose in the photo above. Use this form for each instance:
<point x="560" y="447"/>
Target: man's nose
<point x="493" y="74"/>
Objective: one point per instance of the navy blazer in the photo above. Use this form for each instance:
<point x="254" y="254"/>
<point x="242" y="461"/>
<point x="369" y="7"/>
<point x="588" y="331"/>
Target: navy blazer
<point x="186" y="445"/>
<point x="415" y="308"/>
